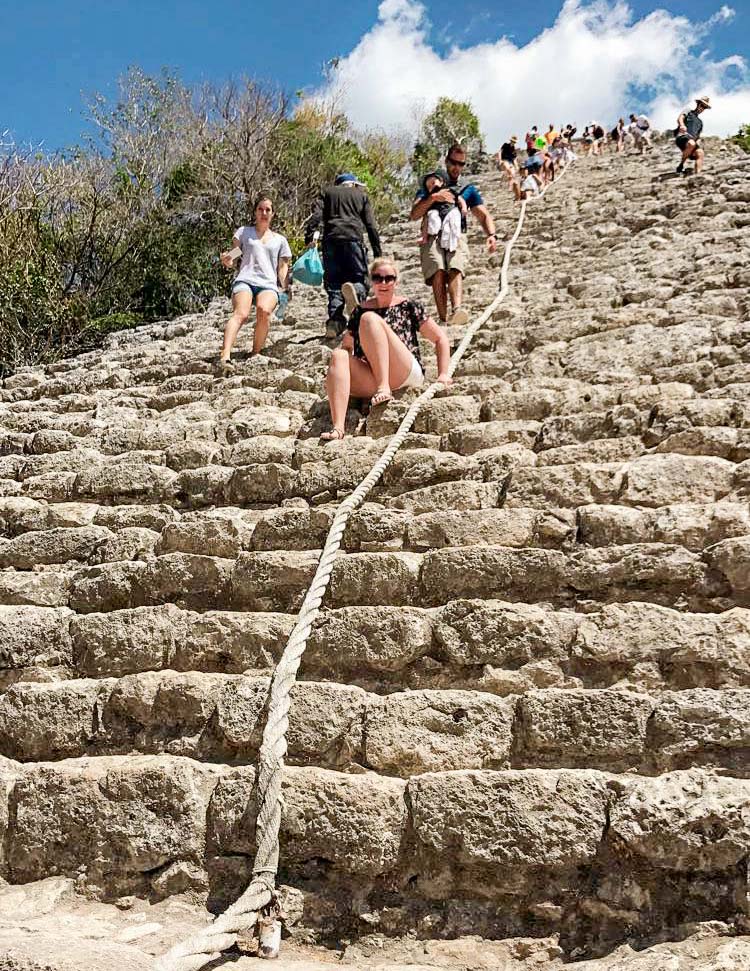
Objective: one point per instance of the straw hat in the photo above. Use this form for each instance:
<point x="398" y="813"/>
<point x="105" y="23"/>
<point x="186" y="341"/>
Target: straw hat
<point x="703" y="101"/>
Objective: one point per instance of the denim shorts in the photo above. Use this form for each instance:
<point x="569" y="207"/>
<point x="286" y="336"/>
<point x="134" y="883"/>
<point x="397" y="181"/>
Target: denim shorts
<point x="241" y="286"/>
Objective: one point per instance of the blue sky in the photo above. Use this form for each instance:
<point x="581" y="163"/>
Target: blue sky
<point x="52" y="52"/>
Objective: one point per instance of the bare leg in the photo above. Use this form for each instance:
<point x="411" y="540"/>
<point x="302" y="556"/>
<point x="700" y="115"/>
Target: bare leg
<point x="242" y="303"/>
<point x="387" y="355"/>
<point x="439" y="292"/>
<point x="338" y="386"/>
<point x="688" y="150"/>
<point x="455" y="287"/>
<point x="265" y="304"/>
<point x="698" y="160"/>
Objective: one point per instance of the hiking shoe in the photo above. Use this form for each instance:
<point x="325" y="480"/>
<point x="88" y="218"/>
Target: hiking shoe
<point x="680" y="169"/>
<point x="459" y="317"/>
<point x="351" y="300"/>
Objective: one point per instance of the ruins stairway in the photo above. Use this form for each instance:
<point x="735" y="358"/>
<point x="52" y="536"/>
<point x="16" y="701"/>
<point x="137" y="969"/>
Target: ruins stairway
<point x="524" y="713"/>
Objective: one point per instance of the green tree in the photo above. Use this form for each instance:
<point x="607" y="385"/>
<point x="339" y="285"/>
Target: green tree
<point x="450" y="121"/>
<point x="742" y="138"/>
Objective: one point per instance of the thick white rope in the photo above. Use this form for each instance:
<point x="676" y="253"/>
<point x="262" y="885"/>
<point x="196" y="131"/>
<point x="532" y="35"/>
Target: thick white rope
<point x="207" y="944"/>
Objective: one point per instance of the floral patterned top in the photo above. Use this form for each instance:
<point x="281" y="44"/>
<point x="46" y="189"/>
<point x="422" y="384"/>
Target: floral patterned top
<point x="403" y="318"/>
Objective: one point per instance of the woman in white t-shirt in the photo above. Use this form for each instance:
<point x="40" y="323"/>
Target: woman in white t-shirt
<point x="263" y="272"/>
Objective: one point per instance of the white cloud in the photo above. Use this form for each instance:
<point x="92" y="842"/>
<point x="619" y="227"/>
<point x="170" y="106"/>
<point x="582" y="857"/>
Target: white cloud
<point x="595" y="62"/>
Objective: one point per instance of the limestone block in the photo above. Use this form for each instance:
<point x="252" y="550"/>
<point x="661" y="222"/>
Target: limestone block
<point x="442" y="414"/>
<point x="355" y="822"/>
<point x="263" y="420"/>
<point x="268" y="483"/>
<point x="206" y="486"/>
<point x="223" y="640"/>
<point x="592" y="729"/>
<point x="492" y="572"/>
<point x="47" y="589"/>
<point x="32" y="636"/>
<point x="450" y="495"/>
<point x="111" y="819"/>
<point x="692" y="525"/>
<point x="412" y="468"/>
<point x="135" y="516"/>
<point x="126" y="478"/>
<point x="502" y="827"/>
<point x="468" y="439"/>
<point x="192" y="454"/>
<point x="684" y="821"/>
<point x="703" y="726"/>
<point x="375" y="578"/>
<point x="9" y="771"/>
<point x="52" y="486"/>
<point x="375" y="528"/>
<point x="188" y="579"/>
<point x="130" y="543"/>
<point x="493" y="527"/>
<point x="657" y="480"/>
<point x="478" y="632"/>
<point x="272" y="580"/>
<point x="431" y="731"/>
<point x="40" y="722"/>
<point x="52" y="546"/>
<point x="124" y="641"/>
<point x="658" y="569"/>
<point x="110" y="586"/>
<point x="596" y="451"/>
<point x="20" y="513"/>
<point x="519" y="405"/>
<point x="261" y="450"/>
<point x="718" y="442"/>
<point x="292" y="529"/>
<point x="381" y="639"/>
<point x="732" y="557"/>
<point x="565" y="486"/>
<point x="217" y="536"/>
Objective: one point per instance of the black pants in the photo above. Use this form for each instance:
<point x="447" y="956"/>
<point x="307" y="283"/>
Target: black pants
<point x="344" y="261"/>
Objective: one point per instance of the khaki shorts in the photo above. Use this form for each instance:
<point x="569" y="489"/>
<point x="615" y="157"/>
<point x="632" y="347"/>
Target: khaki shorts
<point x="434" y="258"/>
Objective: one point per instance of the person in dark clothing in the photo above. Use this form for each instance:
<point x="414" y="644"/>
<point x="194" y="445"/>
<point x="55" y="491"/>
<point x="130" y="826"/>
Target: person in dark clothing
<point x="687" y="139"/>
<point x="507" y="158"/>
<point x="344" y="214"/>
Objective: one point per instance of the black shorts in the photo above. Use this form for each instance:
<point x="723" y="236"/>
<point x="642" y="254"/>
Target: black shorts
<point x="682" y="140"/>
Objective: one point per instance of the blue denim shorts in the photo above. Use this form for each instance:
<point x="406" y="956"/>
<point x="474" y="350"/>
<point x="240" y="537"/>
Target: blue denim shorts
<point x="242" y="287"/>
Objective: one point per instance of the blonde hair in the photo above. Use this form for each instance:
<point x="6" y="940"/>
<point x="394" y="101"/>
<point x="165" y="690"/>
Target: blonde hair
<point x="382" y="261"/>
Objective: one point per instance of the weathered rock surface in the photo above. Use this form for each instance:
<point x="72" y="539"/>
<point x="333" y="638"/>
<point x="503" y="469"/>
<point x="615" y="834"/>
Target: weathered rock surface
<point x="521" y="734"/>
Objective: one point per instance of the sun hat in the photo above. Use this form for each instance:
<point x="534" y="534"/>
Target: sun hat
<point x="703" y="101"/>
<point x="514" y="138"/>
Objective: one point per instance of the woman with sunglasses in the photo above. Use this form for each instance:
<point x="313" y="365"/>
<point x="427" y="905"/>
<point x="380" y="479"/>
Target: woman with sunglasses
<point x="379" y="351"/>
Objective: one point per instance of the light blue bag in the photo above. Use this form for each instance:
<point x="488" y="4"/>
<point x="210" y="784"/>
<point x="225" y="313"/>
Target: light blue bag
<point x="309" y="268"/>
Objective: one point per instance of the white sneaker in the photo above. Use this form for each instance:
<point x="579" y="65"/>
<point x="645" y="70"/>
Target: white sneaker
<point x="351" y="300"/>
<point x="459" y="317"/>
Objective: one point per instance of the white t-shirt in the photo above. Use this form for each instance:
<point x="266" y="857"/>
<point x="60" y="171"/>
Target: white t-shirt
<point x="260" y="261"/>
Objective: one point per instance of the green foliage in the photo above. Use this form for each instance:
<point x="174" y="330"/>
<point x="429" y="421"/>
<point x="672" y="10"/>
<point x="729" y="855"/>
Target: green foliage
<point x="450" y="122"/>
<point x="742" y="138"/>
<point x="127" y="228"/>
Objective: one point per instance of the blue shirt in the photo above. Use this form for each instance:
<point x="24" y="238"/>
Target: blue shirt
<point x="471" y="195"/>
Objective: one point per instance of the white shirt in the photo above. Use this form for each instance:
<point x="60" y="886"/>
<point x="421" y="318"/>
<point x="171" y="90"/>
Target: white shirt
<point x="260" y="260"/>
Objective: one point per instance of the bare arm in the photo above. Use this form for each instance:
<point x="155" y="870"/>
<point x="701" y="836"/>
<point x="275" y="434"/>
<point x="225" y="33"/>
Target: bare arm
<point x="488" y="225"/>
<point x="681" y="122"/>
<point x="437" y="336"/>
<point x="283" y="271"/>
<point x="225" y="258"/>
<point x="421" y="206"/>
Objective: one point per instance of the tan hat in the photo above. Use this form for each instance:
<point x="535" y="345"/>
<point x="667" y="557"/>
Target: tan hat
<point x="703" y="101"/>
<point x="514" y="138"/>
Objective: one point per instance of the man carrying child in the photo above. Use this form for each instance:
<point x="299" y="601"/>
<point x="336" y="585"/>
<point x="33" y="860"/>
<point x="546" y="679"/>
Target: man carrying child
<point x="443" y="268"/>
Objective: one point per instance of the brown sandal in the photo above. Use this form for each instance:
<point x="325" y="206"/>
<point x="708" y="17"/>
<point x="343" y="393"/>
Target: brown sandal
<point x="335" y="435"/>
<point x="380" y="398"/>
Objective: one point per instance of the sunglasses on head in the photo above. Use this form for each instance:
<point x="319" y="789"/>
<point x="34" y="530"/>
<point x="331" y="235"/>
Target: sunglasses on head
<point x="455" y="161"/>
<point x="380" y="278"/>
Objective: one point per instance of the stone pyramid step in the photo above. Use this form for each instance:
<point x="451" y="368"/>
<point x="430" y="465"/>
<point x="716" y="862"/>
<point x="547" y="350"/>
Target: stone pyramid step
<point x="521" y="731"/>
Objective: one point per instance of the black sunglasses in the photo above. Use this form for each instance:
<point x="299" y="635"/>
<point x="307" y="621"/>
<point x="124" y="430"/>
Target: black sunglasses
<point x="455" y="161"/>
<point x="378" y="278"/>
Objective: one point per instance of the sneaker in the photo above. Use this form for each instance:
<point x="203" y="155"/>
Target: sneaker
<point x="459" y="317"/>
<point x="679" y="170"/>
<point x="351" y="300"/>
